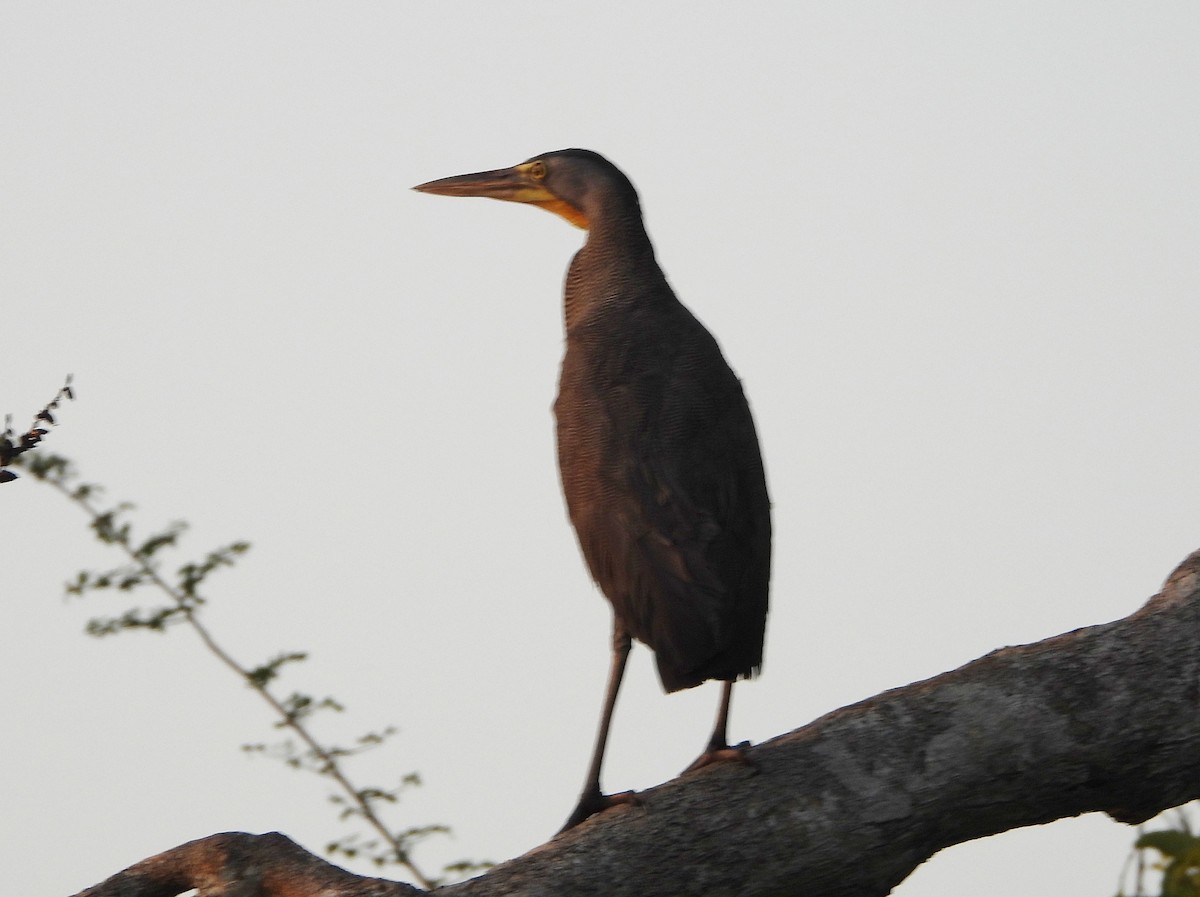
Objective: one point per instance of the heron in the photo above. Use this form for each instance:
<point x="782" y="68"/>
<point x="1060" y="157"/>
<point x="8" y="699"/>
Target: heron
<point x="658" y="454"/>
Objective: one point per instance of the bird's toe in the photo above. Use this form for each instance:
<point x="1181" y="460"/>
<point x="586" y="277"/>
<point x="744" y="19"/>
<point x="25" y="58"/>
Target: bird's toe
<point x="722" y="754"/>
<point x="594" y="802"/>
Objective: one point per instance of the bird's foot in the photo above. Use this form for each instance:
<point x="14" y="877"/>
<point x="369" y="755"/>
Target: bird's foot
<point x="593" y="802"/>
<point x="722" y="753"/>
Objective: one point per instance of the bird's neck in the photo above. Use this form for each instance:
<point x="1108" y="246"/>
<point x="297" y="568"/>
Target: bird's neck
<point x="615" y="267"/>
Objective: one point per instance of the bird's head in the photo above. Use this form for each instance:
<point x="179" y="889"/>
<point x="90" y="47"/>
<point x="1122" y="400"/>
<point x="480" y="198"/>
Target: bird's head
<point x="574" y="183"/>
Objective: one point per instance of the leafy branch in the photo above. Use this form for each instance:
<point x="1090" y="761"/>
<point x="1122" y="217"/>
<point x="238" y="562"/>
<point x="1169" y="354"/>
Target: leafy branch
<point x="12" y="445"/>
<point x="142" y="567"/>
<point x="1178" y="859"/>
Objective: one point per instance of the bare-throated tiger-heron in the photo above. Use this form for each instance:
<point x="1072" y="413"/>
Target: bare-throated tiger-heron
<point x="657" y="449"/>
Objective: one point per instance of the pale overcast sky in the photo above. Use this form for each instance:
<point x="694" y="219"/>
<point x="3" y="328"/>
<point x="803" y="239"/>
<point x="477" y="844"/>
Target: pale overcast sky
<point x="951" y="249"/>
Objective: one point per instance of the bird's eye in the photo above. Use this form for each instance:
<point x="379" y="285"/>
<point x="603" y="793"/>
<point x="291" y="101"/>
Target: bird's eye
<point x="537" y="170"/>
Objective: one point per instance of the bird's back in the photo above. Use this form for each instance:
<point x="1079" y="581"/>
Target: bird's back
<point x="662" y="472"/>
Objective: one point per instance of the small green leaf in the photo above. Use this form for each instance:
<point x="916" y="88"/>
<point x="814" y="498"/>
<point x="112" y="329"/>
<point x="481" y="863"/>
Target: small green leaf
<point x="1170" y="843"/>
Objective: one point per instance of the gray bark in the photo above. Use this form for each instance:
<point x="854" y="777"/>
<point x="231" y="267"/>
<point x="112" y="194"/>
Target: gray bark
<point x="1099" y="719"/>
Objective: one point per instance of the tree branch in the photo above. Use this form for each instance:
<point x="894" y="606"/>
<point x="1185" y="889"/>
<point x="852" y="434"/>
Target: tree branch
<point x="234" y="864"/>
<point x="1099" y="719"/>
<point x="291" y="713"/>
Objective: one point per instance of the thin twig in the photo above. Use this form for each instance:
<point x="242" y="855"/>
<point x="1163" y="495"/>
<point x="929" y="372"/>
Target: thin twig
<point x="288" y="719"/>
<point x="13" y="446"/>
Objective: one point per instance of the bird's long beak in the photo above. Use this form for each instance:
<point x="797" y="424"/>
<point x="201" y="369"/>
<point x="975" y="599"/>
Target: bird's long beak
<point x="510" y="184"/>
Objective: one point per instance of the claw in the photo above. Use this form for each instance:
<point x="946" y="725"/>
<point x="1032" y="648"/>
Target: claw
<point x="593" y="802"/>
<point x="722" y="754"/>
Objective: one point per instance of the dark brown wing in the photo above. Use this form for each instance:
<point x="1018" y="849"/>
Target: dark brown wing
<point x="665" y="487"/>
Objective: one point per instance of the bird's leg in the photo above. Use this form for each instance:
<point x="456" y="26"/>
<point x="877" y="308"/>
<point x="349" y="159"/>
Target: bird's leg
<point x="592" y="800"/>
<point x="718" y="746"/>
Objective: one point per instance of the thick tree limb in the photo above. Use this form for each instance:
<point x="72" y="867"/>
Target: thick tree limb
<point x="234" y="864"/>
<point x="1099" y="719"/>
